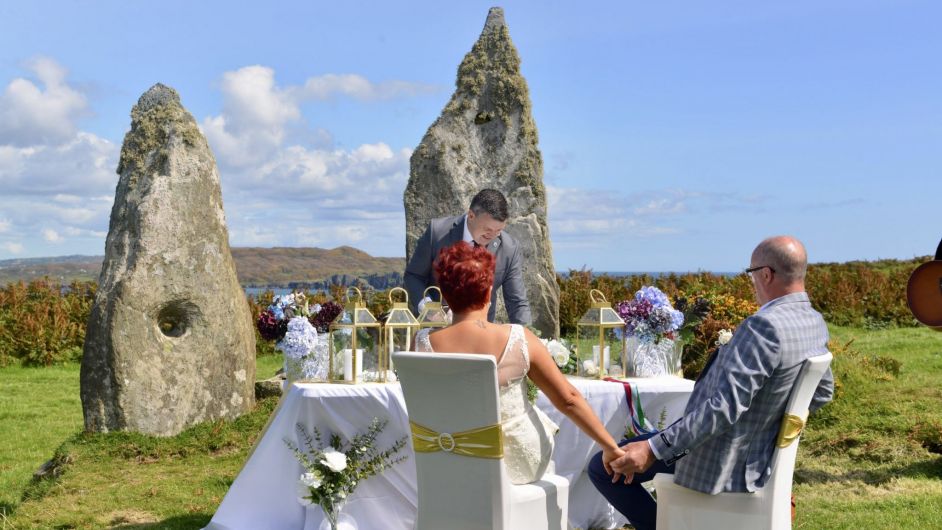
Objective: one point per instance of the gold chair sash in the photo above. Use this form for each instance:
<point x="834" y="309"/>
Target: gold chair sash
<point x="790" y="430"/>
<point x="483" y="442"/>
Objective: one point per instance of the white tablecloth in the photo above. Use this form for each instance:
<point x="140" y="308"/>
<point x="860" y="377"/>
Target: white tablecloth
<point x="263" y="496"/>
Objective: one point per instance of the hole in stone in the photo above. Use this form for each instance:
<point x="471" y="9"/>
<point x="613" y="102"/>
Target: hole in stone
<point x="175" y="318"/>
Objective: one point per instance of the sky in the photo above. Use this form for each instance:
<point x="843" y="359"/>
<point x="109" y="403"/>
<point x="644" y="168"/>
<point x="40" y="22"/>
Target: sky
<point x="675" y="135"/>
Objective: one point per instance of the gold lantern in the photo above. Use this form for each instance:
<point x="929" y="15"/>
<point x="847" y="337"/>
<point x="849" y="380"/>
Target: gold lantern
<point x="399" y="327"/>
<point x="355" y="352"/>
<point x="600" y="344"/>
<point x="433" y="314"/>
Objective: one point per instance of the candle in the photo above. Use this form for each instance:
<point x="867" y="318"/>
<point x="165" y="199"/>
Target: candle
<point x="595" y="356"/>
<point x="348" y="363"/>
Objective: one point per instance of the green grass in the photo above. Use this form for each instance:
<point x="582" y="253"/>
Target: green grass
<point x="115" y="478"/>
<point x="39" y="408"/>
<point x="866" y="460"/>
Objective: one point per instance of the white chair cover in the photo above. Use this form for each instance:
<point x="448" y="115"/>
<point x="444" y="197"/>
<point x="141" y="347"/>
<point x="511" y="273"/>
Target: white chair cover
<point x="680" y="508"/>
<point x="450" y="392"/>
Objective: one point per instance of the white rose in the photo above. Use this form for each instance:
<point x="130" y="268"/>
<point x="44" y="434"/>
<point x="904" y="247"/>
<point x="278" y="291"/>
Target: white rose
<point x="561" y="359"/>
<point x="305" y="484"/>
<point x="559" y="352"/>
<point x="589" y="368"/>
<point x="313" y="480"/>
<point x="335" y="460"/>
<point x="725" y="336"/>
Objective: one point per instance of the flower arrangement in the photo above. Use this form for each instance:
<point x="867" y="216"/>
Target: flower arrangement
<point x="332" y="473"/>
<point x="649" y="316"/>
<point x="295" y="326"/>
<point x="272" y="323"/>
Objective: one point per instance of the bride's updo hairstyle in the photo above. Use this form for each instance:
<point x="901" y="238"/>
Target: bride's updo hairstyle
<point x="465" y="275"/>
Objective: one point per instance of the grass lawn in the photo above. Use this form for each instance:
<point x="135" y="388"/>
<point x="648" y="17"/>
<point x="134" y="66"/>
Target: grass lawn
<point x="871" y="459"/>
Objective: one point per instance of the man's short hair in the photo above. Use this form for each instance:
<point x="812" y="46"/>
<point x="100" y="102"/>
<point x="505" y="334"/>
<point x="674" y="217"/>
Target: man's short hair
<point x="491" y="202"/>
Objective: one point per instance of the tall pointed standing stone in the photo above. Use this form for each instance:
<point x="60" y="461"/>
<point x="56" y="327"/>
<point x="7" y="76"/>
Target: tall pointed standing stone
<point x="169" y="340"/>
<point x="486" y="138"/>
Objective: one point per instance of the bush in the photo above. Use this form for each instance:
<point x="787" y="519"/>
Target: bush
<point x="43" y="323"/>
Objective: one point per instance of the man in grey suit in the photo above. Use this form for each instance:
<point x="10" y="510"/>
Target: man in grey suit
<point x="725" y="440"/>
<point x="482" y="225"/>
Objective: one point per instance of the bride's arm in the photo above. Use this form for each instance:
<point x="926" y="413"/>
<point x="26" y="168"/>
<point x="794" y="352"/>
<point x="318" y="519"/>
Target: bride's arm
<point x="566" y="398"/>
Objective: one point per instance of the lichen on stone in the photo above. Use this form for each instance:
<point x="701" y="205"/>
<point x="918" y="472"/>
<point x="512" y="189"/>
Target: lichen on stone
<point x="154" y="121"/>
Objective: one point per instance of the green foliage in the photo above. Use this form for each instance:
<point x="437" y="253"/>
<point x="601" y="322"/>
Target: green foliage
<point x="42" y="323"/>
<point x="362" y="459"/>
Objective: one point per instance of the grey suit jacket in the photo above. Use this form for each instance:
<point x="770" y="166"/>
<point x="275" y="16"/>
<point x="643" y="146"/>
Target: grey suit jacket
<point x="508" y="274"/>
<point x="725" y="440"/>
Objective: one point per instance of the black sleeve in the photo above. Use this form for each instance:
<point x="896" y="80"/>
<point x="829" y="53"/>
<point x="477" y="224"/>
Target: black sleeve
<point x="938" y="252"/>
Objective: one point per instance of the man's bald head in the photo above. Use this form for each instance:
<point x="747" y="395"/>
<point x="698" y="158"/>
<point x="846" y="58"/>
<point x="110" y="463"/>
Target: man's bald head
<point x="786" y="255"/>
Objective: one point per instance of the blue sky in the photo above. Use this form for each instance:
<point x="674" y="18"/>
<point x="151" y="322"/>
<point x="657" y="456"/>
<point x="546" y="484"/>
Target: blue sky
<point x="675" y="136"/>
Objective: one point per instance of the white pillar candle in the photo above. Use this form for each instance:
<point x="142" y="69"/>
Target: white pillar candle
<point x="348" y="363"/>
<point x="605" y="355"/>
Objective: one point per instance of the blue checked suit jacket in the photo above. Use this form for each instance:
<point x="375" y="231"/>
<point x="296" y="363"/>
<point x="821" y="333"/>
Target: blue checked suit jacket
<point x="725" y="440"/>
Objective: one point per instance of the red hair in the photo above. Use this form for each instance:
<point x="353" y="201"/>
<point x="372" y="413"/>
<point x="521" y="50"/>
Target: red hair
<point x="465" y="274"/>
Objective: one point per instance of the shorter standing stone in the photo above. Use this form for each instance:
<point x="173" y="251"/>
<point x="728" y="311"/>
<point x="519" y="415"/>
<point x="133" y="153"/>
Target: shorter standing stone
<point x="169" y="341"/>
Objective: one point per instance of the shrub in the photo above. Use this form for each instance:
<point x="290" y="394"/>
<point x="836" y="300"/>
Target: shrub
<point x="43" y="323"/>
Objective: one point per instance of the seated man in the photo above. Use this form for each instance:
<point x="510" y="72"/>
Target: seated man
<point x="725" y="440"/>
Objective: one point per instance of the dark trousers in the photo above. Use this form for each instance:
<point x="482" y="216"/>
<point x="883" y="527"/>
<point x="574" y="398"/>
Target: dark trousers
<point x="632" y="500"/>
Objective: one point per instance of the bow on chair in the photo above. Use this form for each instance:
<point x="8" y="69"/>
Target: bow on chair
<point x="483" y="442"/>
<point x="790" y="430"/>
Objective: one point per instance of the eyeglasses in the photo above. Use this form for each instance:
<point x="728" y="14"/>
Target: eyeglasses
<point x="750" y="270"/>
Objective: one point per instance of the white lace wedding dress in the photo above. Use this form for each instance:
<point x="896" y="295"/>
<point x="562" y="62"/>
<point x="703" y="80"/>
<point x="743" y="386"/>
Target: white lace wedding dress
<point x="528" y="432"/>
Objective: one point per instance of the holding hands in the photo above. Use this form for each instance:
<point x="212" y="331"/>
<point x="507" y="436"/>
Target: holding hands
<point x="636" y="457"/>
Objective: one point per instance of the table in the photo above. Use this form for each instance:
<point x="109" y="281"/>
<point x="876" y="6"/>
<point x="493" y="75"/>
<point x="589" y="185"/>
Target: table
<point x="263" y="496"/>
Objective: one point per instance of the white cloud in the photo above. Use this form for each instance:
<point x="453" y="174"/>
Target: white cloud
<point x="325" y="86"/>
<point x="34" y="115"/>
<point x="51" y="235"/>
<point x="13" y="248"/>
<point x="57" y="180"/>
<point x="283" y="187"/>
<point x="581" y="218"/>
<point x="82" y="164"/>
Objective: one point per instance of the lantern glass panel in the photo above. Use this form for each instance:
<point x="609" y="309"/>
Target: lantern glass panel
<point x="433" y="316"/>
<point x="356" y="355"/>
<point x="599" y="351"/>
<point x="397" y="339"/>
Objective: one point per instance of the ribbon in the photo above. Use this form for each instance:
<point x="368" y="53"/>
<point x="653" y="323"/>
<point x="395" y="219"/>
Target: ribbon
<point x="483" y="442"/>
<point x="638" y="424"/>
<point x="790" y="430"/>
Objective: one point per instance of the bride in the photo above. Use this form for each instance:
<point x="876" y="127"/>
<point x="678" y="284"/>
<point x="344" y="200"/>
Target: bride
<point x="465" y="275"/>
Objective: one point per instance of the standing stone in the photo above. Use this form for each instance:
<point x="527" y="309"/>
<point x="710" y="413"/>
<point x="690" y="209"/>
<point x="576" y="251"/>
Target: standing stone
<point x="486" y="138"/>
<point x="169" y="340"/>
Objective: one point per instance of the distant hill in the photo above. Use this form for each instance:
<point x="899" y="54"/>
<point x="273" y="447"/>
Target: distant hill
<point x="257" y="267"/>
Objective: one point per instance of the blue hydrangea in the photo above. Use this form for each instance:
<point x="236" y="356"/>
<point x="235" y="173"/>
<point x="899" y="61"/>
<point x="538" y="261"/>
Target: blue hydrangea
<point x="300" y="340"/>
<point x="653" y="295"/>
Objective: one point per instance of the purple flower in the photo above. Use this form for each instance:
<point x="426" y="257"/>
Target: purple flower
<point x="649" y="316"/>
<point x="271" y="327"/>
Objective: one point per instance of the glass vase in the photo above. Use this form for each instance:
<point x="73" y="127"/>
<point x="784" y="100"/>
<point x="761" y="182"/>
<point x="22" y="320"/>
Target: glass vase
<point x="653" y="358"/>
<point x="334" y="518"/>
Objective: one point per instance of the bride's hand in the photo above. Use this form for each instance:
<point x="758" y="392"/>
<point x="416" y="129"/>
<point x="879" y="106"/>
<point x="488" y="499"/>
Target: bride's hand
<point x="608" y="455"/>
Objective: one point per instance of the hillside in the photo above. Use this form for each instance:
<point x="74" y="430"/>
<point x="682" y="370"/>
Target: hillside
<point x="258" y="267"/>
